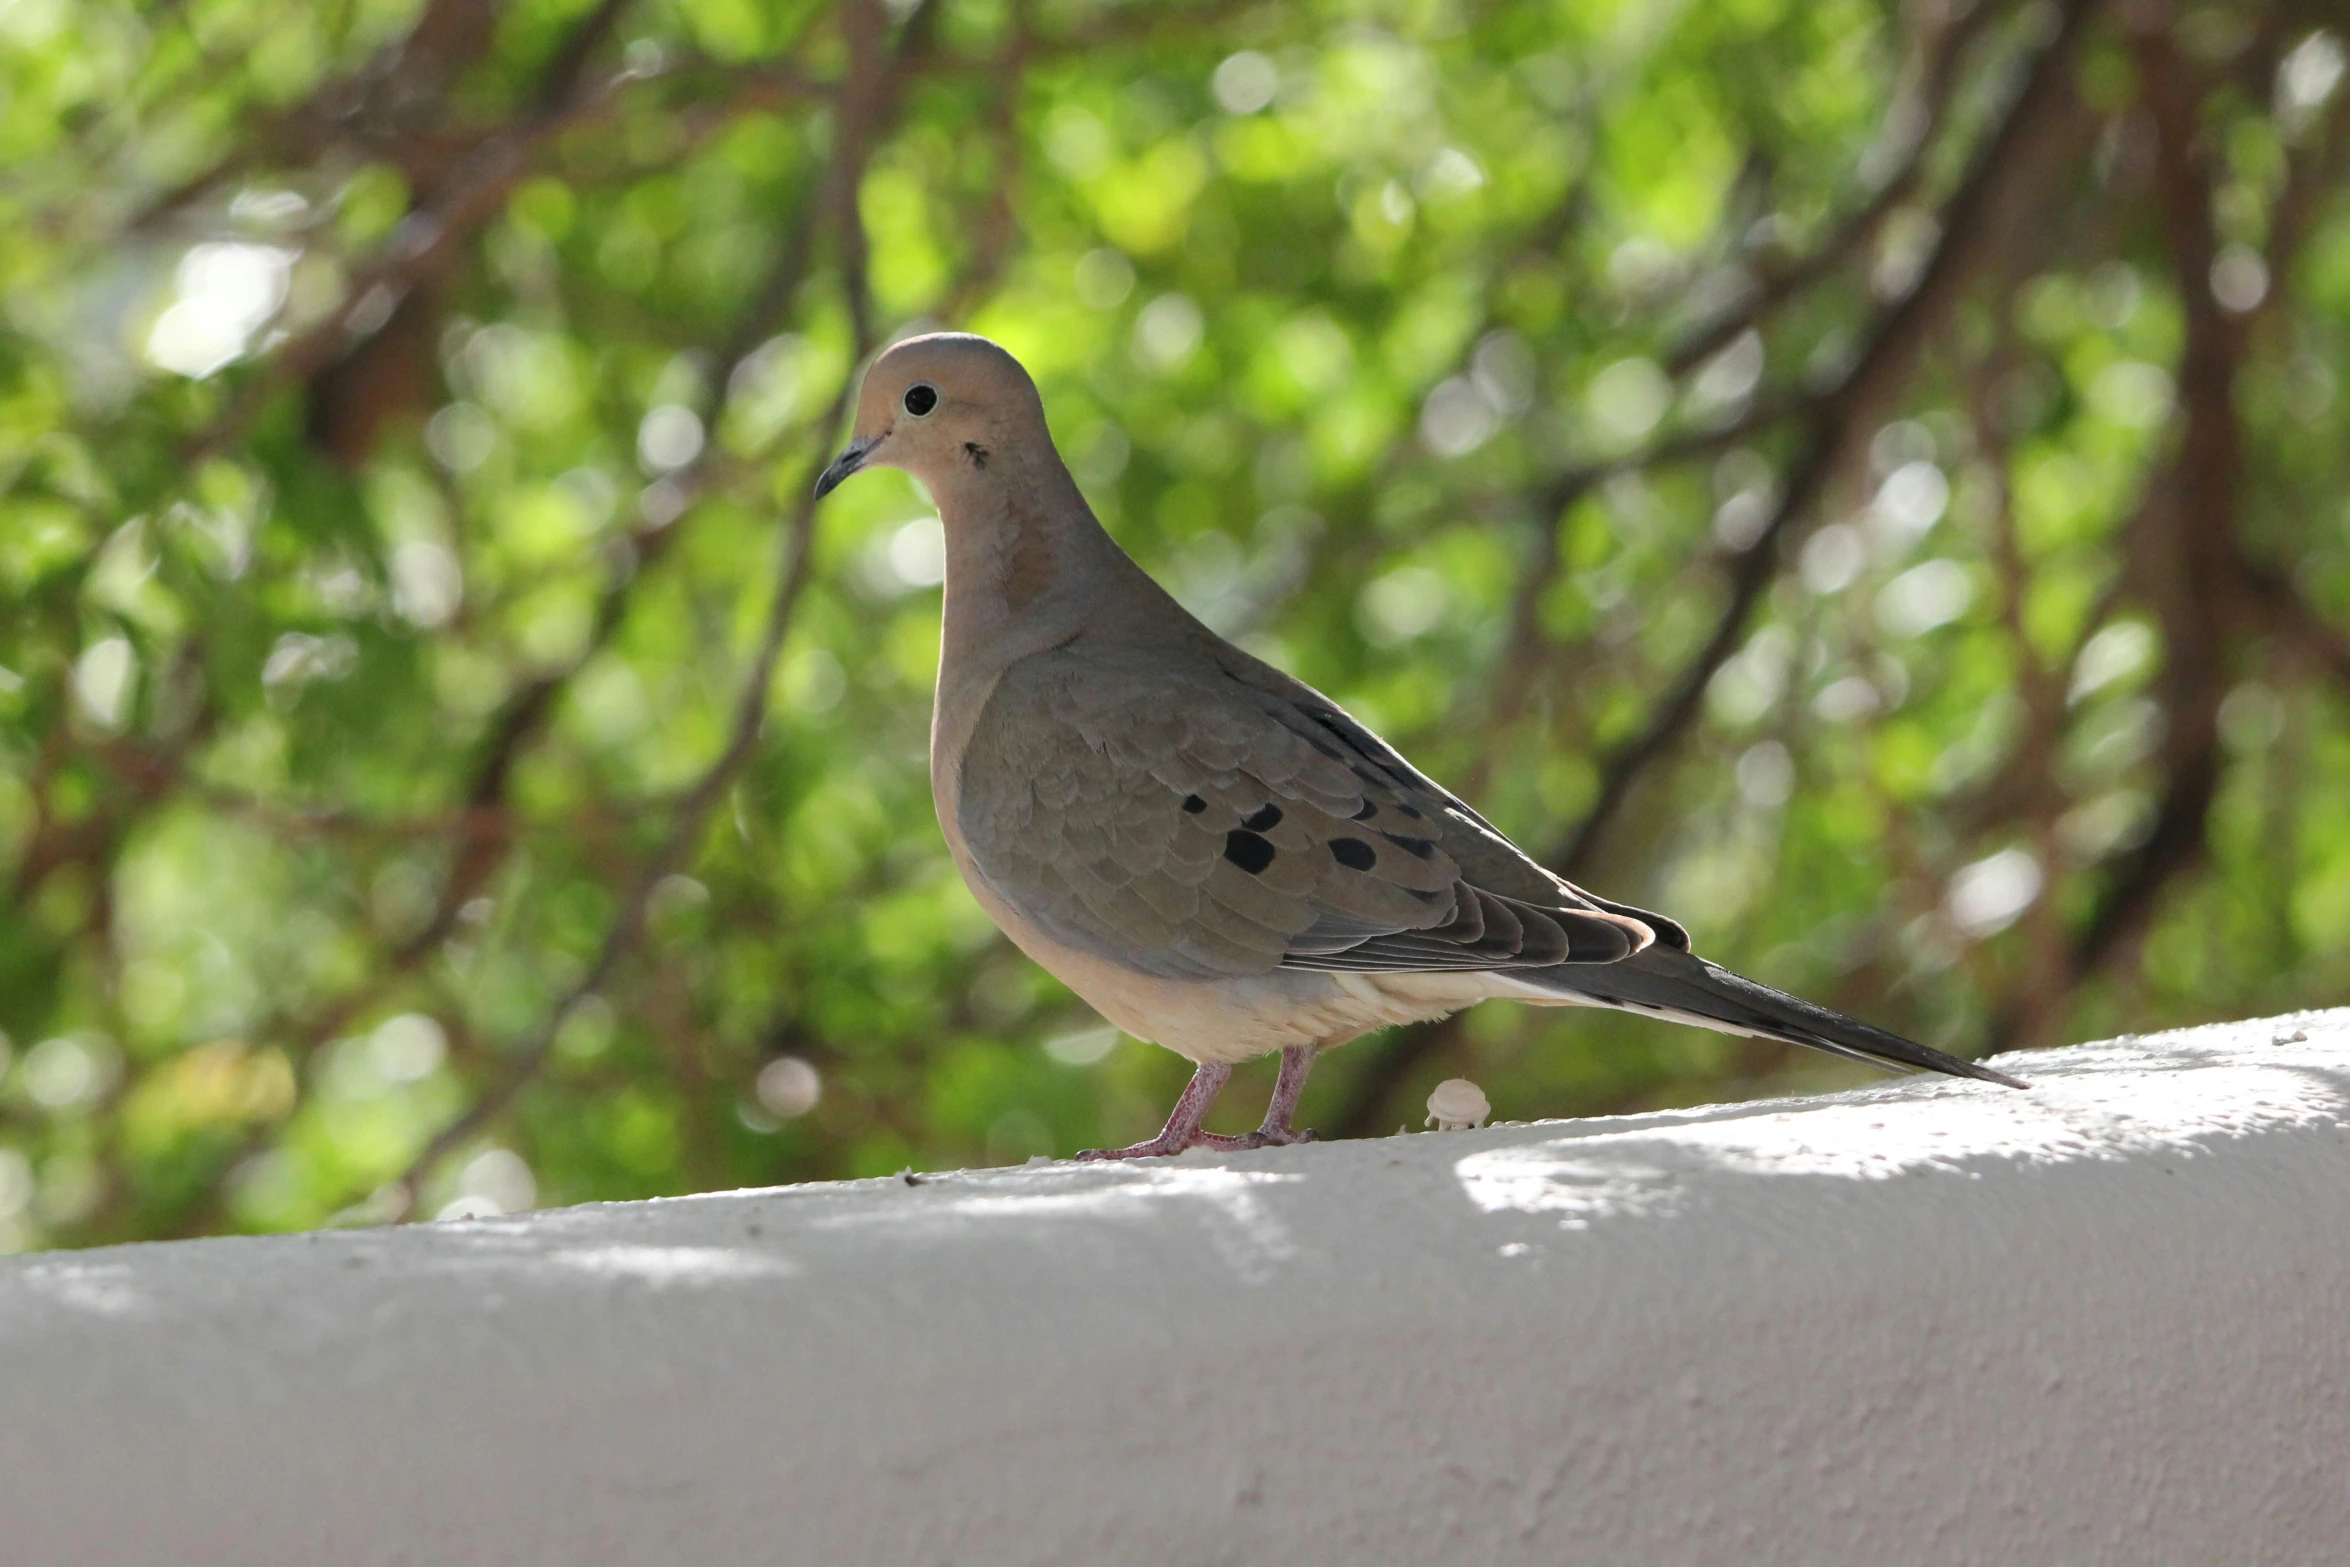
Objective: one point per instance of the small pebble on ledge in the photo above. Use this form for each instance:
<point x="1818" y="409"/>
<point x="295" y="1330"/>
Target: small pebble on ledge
<point x="1457" y="1105"/>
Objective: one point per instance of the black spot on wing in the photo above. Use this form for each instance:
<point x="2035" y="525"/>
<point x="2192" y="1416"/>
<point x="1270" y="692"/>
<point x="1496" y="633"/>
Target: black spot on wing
<point x="1248" y="851"/>
<point x="1265" y="820"/>
<point x="1353" y="853"/>
<point x="1417" y="848"/>
<point x="1193" y="805"/>
<point x="1369" y="810"/>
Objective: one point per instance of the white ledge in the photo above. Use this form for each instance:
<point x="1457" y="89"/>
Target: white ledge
<point x="1932" y="1321"/>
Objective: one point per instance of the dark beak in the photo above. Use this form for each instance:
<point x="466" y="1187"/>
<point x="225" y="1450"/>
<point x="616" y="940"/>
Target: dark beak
<point x="847" y="463"/>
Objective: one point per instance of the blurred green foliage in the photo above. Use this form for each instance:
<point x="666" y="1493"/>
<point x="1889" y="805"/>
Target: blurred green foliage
<point x="407" y="412"/>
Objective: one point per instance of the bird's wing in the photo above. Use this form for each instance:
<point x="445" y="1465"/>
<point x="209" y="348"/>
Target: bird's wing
<point x="1187" y="817"/>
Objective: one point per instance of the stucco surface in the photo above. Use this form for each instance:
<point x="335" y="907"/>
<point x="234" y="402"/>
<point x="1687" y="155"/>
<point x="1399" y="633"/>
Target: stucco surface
<point x="2106" y="1321"/>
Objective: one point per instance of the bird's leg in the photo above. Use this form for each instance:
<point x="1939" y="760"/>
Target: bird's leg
<point x="1288" y="1088"/>
<point x="1182" y="1128"/>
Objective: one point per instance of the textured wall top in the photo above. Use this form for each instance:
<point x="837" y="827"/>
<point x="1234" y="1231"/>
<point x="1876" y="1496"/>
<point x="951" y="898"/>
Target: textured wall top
<point x="2102" y="1321"/>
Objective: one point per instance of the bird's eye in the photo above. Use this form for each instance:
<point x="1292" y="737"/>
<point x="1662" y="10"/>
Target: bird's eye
<point x="921" y="397"/>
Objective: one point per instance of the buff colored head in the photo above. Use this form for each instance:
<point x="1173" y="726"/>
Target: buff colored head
<point x="939" y="407"/>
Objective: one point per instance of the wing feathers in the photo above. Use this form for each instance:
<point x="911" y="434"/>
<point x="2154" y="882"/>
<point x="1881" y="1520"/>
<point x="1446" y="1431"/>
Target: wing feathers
<point x="1187" y="822"/>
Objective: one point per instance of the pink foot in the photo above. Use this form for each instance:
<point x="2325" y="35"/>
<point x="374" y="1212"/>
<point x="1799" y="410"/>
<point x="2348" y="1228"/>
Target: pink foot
<point x="1162" y="1145"/>
<point x="1183" y="1125"/>
<point x="1220" y="1142"/>
<point x="1158" y="1147"/>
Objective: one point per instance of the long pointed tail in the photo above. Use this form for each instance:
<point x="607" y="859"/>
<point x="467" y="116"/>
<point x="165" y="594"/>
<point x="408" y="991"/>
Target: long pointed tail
<point x="1680" y="985"/>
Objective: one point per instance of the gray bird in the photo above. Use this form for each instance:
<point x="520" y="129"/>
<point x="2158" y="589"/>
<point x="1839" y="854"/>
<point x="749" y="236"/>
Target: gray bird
<point x="1214" y="855"/>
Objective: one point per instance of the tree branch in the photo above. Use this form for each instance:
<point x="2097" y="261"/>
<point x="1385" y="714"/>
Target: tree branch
<point x="1976" y="222"/>
<point x="1941" y="55"/>
<point x="867" y="97"/>
<point x="2186" y="555"/>
<point x="2031" y="143"/>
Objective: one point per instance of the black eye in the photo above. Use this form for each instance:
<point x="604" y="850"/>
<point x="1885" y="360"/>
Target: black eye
<point x="921" y="397"/>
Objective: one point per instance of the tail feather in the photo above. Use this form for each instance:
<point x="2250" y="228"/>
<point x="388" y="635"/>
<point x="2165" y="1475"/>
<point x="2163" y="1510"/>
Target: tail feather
<point x="1681" y="985"/>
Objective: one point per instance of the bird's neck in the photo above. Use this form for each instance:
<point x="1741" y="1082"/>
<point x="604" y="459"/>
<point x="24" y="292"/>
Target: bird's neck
<point x="1029" y="567"/>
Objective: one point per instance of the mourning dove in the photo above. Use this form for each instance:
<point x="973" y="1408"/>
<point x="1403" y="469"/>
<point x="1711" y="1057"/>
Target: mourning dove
<point x="1214" y="855"/>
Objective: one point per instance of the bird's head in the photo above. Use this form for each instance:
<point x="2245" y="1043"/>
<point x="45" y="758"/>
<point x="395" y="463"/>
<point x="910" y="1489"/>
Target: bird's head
<point x="940" y="407"/>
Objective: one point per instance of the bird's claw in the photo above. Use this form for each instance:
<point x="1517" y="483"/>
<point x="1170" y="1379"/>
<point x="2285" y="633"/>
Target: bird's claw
<point x="1156" y="1148"/>
<point x="1163" y="1146"/>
